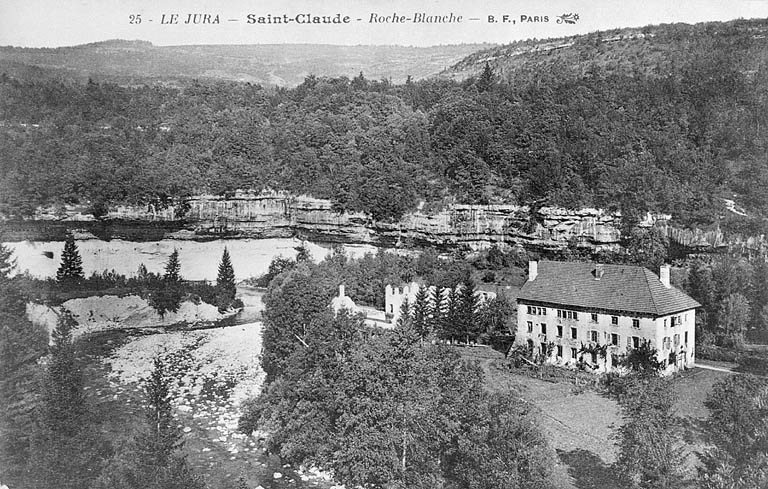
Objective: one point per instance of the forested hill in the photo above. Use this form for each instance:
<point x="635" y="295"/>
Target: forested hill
<point x="648" y="51"/>
<point x="132" y="62"/>
<point x="677" y="140"/>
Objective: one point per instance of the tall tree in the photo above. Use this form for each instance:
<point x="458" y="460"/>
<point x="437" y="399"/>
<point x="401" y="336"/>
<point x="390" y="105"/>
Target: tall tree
<point x="226" y="289"/>
<point x="420" y="316"/>
<point x="468" y="302"/>
<point x="64" y="446"/>
<point x="738" y="425"/>
<point x="22" y="344"/>
<point x="173" y="267"/>
<point x="151" y="459"/>
<point x="168" y="295"/>
<point x="650" y="443"/>
<point x="438" y="303"/>
<point x="71" y="268"/>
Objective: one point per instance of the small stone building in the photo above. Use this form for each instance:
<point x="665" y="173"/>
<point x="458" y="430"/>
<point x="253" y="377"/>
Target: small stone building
<point x="573" y="307"/>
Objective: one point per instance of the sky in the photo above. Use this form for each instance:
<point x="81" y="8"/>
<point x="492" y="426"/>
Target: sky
<point x="54" y="23"/>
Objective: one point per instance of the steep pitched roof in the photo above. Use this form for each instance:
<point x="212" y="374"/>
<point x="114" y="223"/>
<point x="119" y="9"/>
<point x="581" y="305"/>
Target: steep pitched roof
<point x="621" y="288"/>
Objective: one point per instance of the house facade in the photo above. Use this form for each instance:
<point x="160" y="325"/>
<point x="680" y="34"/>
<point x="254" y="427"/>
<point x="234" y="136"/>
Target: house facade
<point x="586" y="312"/>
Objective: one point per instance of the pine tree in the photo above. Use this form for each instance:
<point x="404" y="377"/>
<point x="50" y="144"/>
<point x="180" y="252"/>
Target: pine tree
<point x="487" y="78"/>
<point x="7" y="262"/>
<point x="405" y="319"/>
<point x="421" y="313"/>
<point x="71" y="268"/>
<point x="225" y="283"/>
<point x="467" y="307"/>
<point x="173" y="267"/>
<point x="450" y="322"/>
<point x="169" y="293"/>
<point x="162" y="437"/>
<point x="64" y="448"/>
<point x="151" y="459"/>
<point x="437" y="311"/>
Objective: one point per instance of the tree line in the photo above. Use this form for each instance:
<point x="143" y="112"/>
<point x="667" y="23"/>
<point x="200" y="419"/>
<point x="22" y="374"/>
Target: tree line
<point x="165" y="292"/>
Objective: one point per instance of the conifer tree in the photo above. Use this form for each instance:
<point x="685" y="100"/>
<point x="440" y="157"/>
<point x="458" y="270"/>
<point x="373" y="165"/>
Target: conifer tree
<point x="467" y="307"/>
<point x="225" y="283"/>
<point x="450" y="321"/>
<point x="162" y="437"/>
<point x="405" y="318"/>
<point x="437" y="311"/>
<point x="71" y="268"/>
<point x="173" y="267"/>
<point x="421" y="313"/>
<point x="169" y="294"/>
<point x="63" y="447"/>
<point x="151" y="459"/>
<point x="7" y="262"/>
<point x="487" y="79"/>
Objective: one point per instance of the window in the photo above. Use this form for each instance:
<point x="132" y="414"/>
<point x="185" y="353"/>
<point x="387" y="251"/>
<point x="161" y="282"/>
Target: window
<point x="544" y="349"/>
<point x="674" y="321"/>
<point x="530" y="345"/>
<point x="559" y="351"/>
<point x="543" y="328"/>
<point x="560" y="332"/>
<point x="593" y="357"/>
<point x="530" y="326"/>
<point x="575" y="315"/>
<point x="614" y="320"/>
<point x="594" y="317"/>
<point x="635" y="323"/>
<point x="614" y="339"/>
<point x="530" y="310"/>
<point x="391" y="308"/>
<point x="677" y="340"/>
<point x="573" y="353"/>
<point x="544" y="311"/>
<point x="574" y="333"/>
<point x="593" y="336"/>
<point x="559" y="313"/>
<point x="629" y="342"/>
<point x="665" y="323"/>
<point x="686" y="337"/>
<point x="635" y="342"/>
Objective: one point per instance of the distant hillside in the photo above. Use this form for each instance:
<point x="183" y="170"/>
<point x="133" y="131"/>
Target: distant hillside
<point x="665" y="119"/>
<point x="127" y="62"/>
<point x="650" y="51"/>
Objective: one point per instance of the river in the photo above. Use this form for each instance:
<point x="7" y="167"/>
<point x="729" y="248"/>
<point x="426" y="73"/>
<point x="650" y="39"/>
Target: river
<point x="199" y="260"/>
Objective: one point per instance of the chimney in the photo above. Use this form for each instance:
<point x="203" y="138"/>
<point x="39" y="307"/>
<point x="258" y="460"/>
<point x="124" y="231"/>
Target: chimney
<point x="599" y="271"/>
<point x="341" y="290"/>
<point x="664" y="276"/>
<point x="533" y="270"/>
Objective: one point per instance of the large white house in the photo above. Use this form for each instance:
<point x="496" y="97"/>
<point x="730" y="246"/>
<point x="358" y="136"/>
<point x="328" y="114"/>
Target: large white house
<point x="577" y="306"/>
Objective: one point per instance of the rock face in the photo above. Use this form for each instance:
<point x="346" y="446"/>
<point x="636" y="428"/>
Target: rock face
<point x="281" y="215"/>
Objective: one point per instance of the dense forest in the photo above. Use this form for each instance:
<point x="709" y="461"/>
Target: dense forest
<point x="676" y="135"/>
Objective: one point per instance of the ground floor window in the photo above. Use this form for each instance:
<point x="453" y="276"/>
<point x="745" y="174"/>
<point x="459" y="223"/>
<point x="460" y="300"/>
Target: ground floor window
<point x="559" y="351"/>
<point x="573" y="353"/>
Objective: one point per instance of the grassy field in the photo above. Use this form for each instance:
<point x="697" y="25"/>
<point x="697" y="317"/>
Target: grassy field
<point x="580" y="422"/>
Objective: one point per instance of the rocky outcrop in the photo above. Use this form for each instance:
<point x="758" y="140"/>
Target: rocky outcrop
<point x="282" y="215"/>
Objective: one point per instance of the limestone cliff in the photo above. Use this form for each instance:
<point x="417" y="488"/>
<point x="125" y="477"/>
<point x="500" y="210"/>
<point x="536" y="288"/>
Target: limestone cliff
<point x="281" y="215"/>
